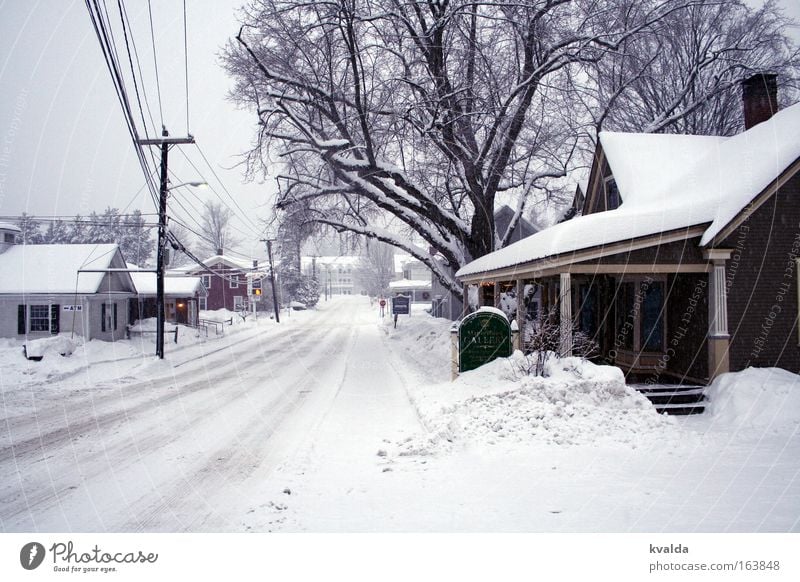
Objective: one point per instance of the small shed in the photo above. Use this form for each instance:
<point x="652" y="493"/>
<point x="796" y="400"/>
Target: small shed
<point x="182" y="297"/>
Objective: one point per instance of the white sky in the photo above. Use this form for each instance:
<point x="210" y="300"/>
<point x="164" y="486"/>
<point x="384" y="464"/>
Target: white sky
<point x="64" y="148"/>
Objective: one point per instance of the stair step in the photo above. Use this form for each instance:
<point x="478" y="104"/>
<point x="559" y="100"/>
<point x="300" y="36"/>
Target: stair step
<point x="681" y="409"/>
<point x="672" y="392"/>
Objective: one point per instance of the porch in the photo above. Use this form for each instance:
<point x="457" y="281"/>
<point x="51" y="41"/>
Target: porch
<point x="664" y="325"/>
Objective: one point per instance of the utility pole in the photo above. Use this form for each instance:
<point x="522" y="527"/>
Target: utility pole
<point x="272" y="280"/>
<point x="164" y="142"/>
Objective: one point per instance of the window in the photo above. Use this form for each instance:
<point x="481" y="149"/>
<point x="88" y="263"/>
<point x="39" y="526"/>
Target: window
<point x="234" y="282"/>
<point x="640" y="307"/>
<point x="206" y="281"/>
<point x="108" y="316"/>
<point x="203" y="303"/>
<point x="40" y="318"/>
<point x="613" y="199"/>
<point x="8" y="237"/>
<point x="652" y="320"/>
<point x="587" y="320"/>
<point x="238" y="303"/>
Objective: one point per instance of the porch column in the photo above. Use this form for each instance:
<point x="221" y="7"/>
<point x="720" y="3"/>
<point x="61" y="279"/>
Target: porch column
<point x="496" y="299"/>
<point x="520" y="313"/>
<point x="565" y="304"/>
<point x="465" y="306"/>
<point x="718" y="337"/>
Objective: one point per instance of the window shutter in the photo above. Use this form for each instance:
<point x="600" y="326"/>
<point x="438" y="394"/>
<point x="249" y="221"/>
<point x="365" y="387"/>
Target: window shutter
<point x="21" y="323"/>
<point x="102" y="317"/>
<point x="115" y="316"/>
<point x="55" y="313"/>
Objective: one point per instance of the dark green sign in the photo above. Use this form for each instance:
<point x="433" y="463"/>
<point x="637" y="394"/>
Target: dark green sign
<point x="401" y="305"/>
<point x="482" y="337"/>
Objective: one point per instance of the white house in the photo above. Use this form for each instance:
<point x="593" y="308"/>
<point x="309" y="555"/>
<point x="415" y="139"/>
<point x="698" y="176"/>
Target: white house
<point x="47" y="289"/>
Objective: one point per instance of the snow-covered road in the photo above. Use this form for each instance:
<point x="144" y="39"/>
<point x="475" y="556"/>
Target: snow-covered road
<point x="197" y="446"/>
<point x="334" y="421"/>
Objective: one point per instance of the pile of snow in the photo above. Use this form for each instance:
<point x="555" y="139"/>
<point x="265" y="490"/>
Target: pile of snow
<point x="58" y="344"/>
<point x="762" y="400"/>
<point x="576" y="403"/>
<point x="425" y="340"/>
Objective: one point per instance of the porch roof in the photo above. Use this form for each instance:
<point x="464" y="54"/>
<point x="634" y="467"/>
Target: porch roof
<point x="667" y="183"/>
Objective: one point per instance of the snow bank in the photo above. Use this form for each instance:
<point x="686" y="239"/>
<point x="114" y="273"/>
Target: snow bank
<point x="577" y="403"/>
<point x="763" y="400"/>
<point x="59" y="344"/>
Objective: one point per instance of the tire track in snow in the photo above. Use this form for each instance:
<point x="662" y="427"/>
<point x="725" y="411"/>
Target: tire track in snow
<point x="297" y="339"/>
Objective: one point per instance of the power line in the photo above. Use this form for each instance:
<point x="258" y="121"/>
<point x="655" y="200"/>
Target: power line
<point x="105" y="38"/>
<point x="186" y="65"/>
<point x="252" y="227"/>
<point x="155" y="60"/>
<point x="126" y="25"/>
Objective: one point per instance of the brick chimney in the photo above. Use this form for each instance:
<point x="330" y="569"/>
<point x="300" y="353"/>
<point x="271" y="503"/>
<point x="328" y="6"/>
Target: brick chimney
<point x="219" y="252"/>
<point x="759" y="98"/>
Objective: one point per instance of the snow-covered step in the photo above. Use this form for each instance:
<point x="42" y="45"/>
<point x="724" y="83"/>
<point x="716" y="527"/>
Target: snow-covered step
<point x="674" y="399"/>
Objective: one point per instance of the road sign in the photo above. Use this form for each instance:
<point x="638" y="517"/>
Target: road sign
<point x="383" y="303"/>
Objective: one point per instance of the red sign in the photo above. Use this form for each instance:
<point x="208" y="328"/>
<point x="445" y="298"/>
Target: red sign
<point x="383" y="303"/>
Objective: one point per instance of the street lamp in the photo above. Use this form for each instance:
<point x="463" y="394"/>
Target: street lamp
<point x="193" y="184"/>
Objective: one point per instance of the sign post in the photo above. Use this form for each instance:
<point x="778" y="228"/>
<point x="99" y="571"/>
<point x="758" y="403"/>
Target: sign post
<point x="401" y="305"/>
<point x="483" y="336"/>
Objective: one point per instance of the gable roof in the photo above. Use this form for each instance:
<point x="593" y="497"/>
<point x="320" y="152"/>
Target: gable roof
<point x="54" y="268"/>
<point x="668" y="183"/>
<point x="226" y="260"/>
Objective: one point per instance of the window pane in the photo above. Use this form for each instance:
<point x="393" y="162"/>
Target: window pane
<point x="40" y="318"/>
<point x="652" y="317"/>
<point x="625" y="316"/>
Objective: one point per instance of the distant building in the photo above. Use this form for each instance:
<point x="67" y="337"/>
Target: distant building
<point x="338" y="274"/>
<point x="226" y="282"/>
<point x="412" y="278"/>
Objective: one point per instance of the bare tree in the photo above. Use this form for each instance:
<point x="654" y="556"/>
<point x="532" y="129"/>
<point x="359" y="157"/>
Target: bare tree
<point x="376" y="268"/>
<point x="428" y="111"/>
<point x="684" y="75"/>
<point x="216" y="234"/>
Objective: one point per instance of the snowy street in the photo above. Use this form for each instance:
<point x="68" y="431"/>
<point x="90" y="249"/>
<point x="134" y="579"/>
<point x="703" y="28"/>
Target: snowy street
<point x="193" y="448"/>
<point x="321" y="423"/>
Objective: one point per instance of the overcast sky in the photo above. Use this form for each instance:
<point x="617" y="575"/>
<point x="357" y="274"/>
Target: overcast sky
<point x="64" y="148"/>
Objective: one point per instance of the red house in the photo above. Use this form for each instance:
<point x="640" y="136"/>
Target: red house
<point x="226" y="281"/>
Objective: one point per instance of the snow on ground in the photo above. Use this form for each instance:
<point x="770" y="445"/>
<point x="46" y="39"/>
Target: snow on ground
<point x="336" y="421"/>
<point x="577" y="403"/>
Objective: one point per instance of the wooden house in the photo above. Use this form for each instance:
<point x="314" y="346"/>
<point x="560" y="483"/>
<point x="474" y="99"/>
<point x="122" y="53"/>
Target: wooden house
<point x="682" y="264"/>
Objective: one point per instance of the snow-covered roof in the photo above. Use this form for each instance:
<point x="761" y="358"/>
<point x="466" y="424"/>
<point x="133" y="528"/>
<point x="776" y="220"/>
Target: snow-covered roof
<point x="145" y="284"/>
<point x="410" y="284"/>
<point x="227" y="260"/>
<point x="54" y="268"/>
<point x="667" y="182"/>
<point x="9" y="226"/>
